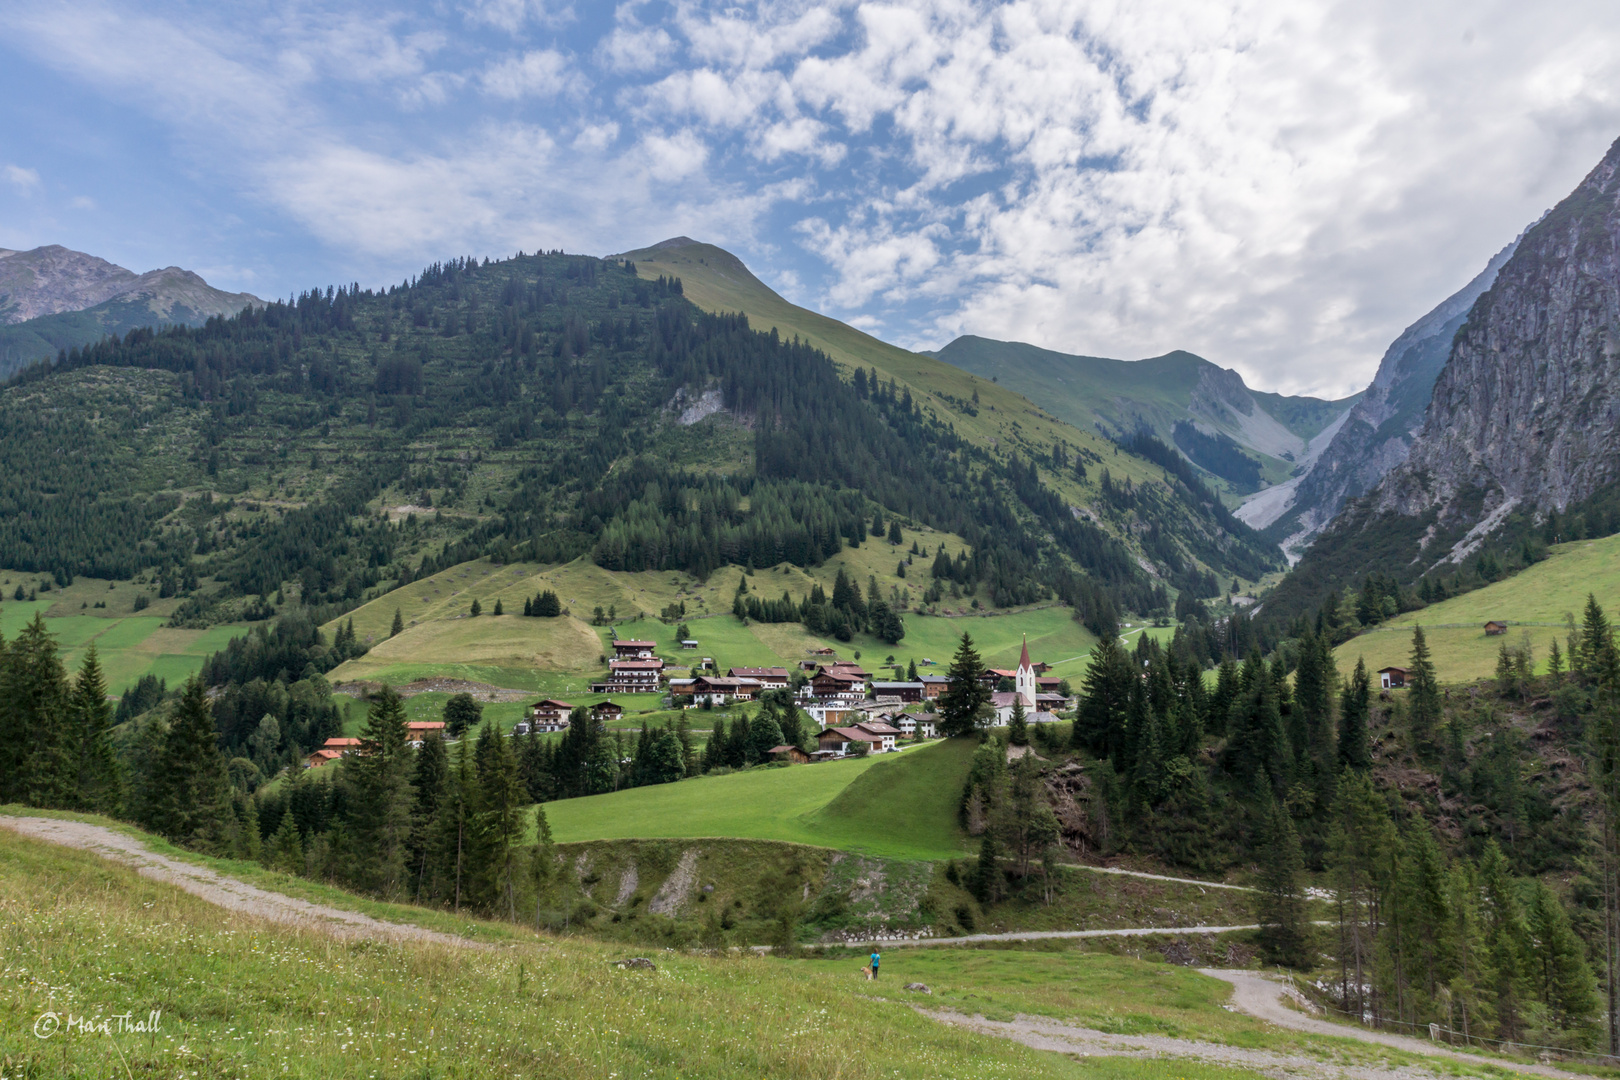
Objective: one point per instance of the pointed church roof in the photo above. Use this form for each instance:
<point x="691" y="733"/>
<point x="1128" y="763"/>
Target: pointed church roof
<point x="1023" y="660"/>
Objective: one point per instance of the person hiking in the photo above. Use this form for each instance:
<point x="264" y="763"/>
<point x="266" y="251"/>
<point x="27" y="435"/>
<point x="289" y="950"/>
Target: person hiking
<point x="875" y="959"/>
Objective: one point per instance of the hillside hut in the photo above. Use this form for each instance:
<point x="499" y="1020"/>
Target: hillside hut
<point x="1495" y="628"/>
<point x="1392" y="678"/>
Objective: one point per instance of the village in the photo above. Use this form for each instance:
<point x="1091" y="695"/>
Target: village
<point x="855" y="712"/>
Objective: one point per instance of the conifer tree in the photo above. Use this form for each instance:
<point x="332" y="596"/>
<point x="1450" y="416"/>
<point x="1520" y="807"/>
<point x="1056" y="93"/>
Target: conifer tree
<point x="286" y="851"/>
<point x="911" y="671"/>
<point x="1359" y="842"/>
<point x="1558" y="967"/>
<point x="399" y="623"/>
<point x="1285" y="932"/>
<point x="429" y="780"/>
<point x="96" y="786"/>
<point x="542" y="861"/>
<point x="455" y="825"/>
<point x="1595" y="635"/>
<point x="498" y="610"/>
<point x="1018" y="725"/>
<point x="986" y="882"/>
<point x="377" y="783"/>
<point x="1105" y="699"/>
<point x="190" y="792"/>
<point x="1257" y="745"/>
<point x="499" y="824"/>
<point x="1424" y="704"/>
<point x="476" y="609"/>
<point x="1355" y="749"/>
<point x="1504" y="938"/>
<point x="966" y="696"/>
<point x="37" y="758"/>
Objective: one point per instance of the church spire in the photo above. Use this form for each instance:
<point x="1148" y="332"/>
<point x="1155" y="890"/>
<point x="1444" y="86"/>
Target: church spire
<point x="1023" y="661"/>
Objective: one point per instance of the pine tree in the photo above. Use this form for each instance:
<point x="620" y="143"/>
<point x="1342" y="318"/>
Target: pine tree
<point x="476" y="609"/>
<point x="37" y="756"/>
<point x="1018" y="730"/>
<point x="399" y="623"/>
<point x="986" y="882"/>
<point x="1105" y="699"/>
<point x="377" y="783"/>
<point x="1258" y="745"/>
<point x="286" y="851"/>
<point x="1558" y="967"/>
<point x="911" y="671"/>
<point x="1355" y="749"/>
<point x="1504" y="938"/>
<point x="499" y="822"/>
<point x="190" y="791"/>
<point x="1359" y="842"/>
<point x="498" y="610"/>
<point x="1285" y="932"/>
<point x="542" y="861"/>
<point x="453" y="841"/>
<point x="961" y="703"/>
<point x="1595" y="633"/>
<point x="96" y="785"/>
<point x="430" y="778"/>
<point x="1424" y="705"/>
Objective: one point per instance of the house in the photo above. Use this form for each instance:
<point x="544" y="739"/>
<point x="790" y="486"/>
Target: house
<point x="605" y="711"/>
<point x="830" y="713"/>
<point x="689" y="643"/>
<point x="1494" y="628"/>
<point x="680" y="689"/>
<point x="839" y="739"/>
<point x="321" y="757"/>
<point x="826" y="755"/>
<point x="1042" y="668"/>
<point x="991" y="678"/>
<point x="1050" y="703"/>
<point x="914" y="725"/>
<point x="850" y="667"/>
<point x="808" y="665"/>
<point x="934" y="685"/>
<point x="823" y="652"/>
<point x="884" y="733"/>
<point x="829" y="683"/>
<point x="633" y="650"/>
<point x="717" y="690"/>
<point x="549" y="715"/>
<point x="790" y="753"/>
<point x="1392" y="678"/>
<point x="1047" y="684"/>
<point x="342" y="746"/>
<point x="631" y="677"/>
<point x="771" y="678"/>
<point x="901" y="691"/>
<point x="417" y="730"/>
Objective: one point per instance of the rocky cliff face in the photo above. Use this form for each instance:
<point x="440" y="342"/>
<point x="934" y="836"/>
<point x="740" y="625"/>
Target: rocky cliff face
<point x="1523" y="419"/>
<point x="54" y="279"/>
<point x="1377" y="434"/>
<point x="1526" y="410"/>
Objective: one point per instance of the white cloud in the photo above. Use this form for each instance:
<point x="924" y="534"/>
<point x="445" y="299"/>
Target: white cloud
<point x="24" y="180"/>
<point x="537" y="73"/>
<point x="513" y="16"/>
<point x="82" y="202"/>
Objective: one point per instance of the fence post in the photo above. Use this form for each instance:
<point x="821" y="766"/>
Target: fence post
<point x="1434" y="1032"/>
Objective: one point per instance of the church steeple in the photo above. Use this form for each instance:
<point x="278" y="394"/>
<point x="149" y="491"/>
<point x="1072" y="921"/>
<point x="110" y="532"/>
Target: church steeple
<point x="1024" y="677"/>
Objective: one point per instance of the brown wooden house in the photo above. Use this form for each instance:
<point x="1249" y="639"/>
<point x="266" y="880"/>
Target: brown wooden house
<point x="1392" y="678"/>
<point x="1495" y="628"/>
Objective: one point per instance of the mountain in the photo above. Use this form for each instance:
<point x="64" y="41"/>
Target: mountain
<point x="1378" y="432"/>
<point x="998" y="419"/>
<point x="53" y="298"/>
<point x="1244" y="437"/>
<point x="557" y="408"/>
<point x="1519" y="445"/>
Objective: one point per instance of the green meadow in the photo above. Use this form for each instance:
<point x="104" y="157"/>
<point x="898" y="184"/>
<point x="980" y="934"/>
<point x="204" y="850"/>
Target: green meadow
<point x="1536" y="603"/>
<point x="892" y="805"/>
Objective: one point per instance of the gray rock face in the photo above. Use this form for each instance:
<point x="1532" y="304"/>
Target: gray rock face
<point x="1377" y="434"/>
<point x="1526" y="409"/>
<point x="54" y="279"/>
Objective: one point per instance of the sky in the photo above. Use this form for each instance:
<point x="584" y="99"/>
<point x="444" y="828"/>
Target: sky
<point x="1279" y="187"/>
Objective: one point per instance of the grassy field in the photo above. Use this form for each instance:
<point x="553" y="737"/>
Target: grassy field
<point x="1537" y="602"/>
<point x="130" y="645"/>
<point x="894" y="805"/>
<point x="241" y="997"/>
<point x="561" y="656"/>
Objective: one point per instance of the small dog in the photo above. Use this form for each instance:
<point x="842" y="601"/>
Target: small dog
<point x="868" y="972"/>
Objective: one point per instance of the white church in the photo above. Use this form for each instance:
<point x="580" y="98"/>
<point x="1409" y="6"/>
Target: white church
<point x="1023" y="688"/>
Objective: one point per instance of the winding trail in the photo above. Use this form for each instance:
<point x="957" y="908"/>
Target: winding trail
<point x="1253" y="993"/>
<point x="226" y="892"/>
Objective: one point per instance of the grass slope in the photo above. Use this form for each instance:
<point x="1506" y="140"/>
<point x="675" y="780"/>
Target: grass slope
<point x="896" y="806"/>
<point x="560" y="656"/>
<point x="245" y="998"/>
<point x="1535" y="602"/>
<point x="129" y="645"/>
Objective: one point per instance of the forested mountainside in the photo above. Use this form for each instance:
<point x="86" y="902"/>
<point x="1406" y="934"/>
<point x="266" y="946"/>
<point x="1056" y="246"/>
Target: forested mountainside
<point x="1234" y="434"/>
<point x="53" y="298"/>
<point x="1378" y="432"/>
<point x="1519" y="445"/>
<point x="547" y="407"/>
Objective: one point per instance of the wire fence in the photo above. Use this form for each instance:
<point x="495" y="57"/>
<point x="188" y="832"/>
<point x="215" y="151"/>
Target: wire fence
<point x="1435" y="1031"/>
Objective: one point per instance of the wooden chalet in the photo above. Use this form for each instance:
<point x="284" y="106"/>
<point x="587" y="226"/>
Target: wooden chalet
<point x="631" y="677"/>
<point x="1392" y="678"/>
<point x="417" y="730"/>
<point x="771" y="678"/>
<point x="549" y="715"/>
<point x="1495" y="628"/>
<point x="790" y="753"/>
<point x="839" y="739"/>
<point x="633" y="650"/>
<point x="321" y="757"/>
<point x="934" y="685"/>
<point x="606" y="710"/>
<point x="828" y="683"/>
<point x="719" y="690"/>
<point x="900" y="691"/>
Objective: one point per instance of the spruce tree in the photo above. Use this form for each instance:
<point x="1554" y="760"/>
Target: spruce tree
<point x="1355" y="749"/>
<point x="1595" y="634"/>
<point x="1504" y="940"/>
<point x="1558" y="967"/>
<point x="377" y="783"/>
<point x="431" y="776"/>
<point x="476" y="610"/>
<point x="37" y="753"/>
<point x="1018" y="730"/>
<point x="399" y="623"/>
<point x="966" y="696"/>
<point x="542" y="861"/>
<point x="499" y="822"/>
<point x="1105" y="699"/>
<point x="286" y="851"/>
<point x="911" y="671"/>
<point x="453" y="840"/>
<point x="96" y="784"/>
<point x="498" y="610"/>
<point x="190" y="792"/>
<point x="1279" y="899"/>
<point x="1424" y="705"/>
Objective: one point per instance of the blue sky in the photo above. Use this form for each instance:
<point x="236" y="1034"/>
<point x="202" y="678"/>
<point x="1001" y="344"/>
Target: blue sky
<point x="1279" y="187"/>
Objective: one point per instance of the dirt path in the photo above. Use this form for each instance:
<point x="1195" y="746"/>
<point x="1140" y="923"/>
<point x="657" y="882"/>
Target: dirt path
<point x="1260" y="997"/>
<point x="1045" y="935"/>
<point x="227" y="893"/>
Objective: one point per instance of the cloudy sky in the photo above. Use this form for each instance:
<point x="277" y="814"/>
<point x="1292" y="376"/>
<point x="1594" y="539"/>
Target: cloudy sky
<point x="1280" y="187"/>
